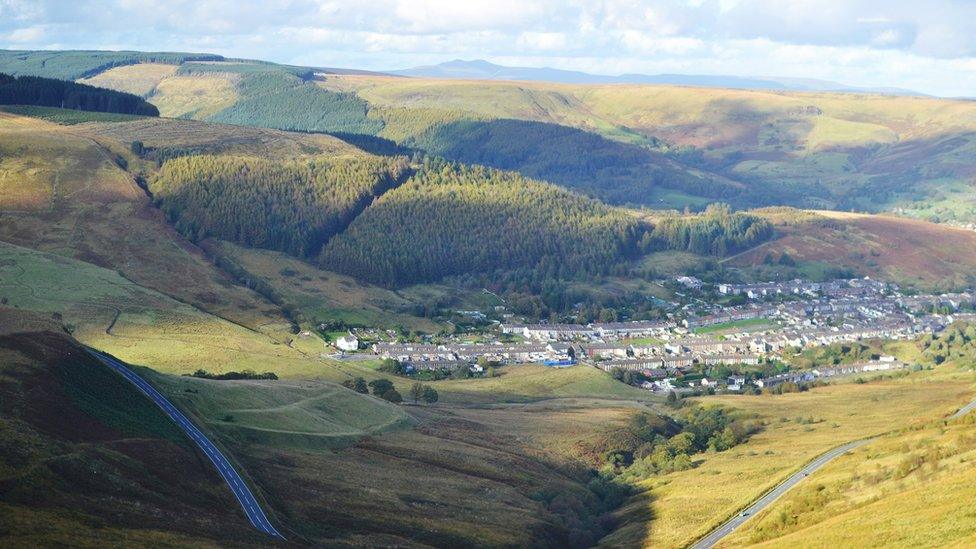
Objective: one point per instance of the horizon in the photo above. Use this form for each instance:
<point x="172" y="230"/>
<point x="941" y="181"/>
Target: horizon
<point x="854" y="43"/>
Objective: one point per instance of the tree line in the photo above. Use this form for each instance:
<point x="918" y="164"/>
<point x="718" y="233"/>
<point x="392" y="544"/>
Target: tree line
<point x="47" y="92"/>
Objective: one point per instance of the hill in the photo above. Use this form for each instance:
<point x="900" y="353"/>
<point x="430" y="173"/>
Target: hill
<point x="86" y="459"/>
<point x="480" y="69"/>
<point x="909" y="252"/>
<point x="654" y="145"/>
<point x="810" y="149"/>
<point x="450" y="219"/>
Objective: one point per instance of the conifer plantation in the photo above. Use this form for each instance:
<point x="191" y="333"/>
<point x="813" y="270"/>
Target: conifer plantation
<point x="47" y="92"/>
<point x="294" y="206"/>
<point x="451" y="219"/>
<point x="717" y="231"/>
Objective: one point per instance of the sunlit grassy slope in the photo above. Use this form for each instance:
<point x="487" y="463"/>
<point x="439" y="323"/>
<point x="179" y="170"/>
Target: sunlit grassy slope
<point x="686" y="505"/>
<point x="880" y="494"/>
<point x="299" y="414"/>
<point x="73" y="199"/>
<point x="140" y="79"/>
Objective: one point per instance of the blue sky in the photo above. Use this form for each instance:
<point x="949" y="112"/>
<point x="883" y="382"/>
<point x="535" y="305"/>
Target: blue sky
<point x="929" y="46"/>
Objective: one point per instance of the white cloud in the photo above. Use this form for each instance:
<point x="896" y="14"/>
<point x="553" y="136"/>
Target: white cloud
<point x="904" y="43"/>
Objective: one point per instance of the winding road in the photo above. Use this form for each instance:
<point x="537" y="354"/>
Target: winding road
<point x="716" y="535"/>
<point x="249" y="504"/>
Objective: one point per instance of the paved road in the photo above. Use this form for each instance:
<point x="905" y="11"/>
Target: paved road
<point x="964" y="410"/>
<point x="244" y="496"/>
<point x="711" y="539"/>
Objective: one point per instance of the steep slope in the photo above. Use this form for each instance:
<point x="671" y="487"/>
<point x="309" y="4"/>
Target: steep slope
<point x="906" y="251"/>
<point x="450" y="219"/>
<point x="825" y="150"/>
<point x="86" y="459"/>
<point x="63" y="190"/>
<point x="292" y="207"/>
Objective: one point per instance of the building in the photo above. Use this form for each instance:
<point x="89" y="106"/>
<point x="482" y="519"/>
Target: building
<point x="347" y="343"/>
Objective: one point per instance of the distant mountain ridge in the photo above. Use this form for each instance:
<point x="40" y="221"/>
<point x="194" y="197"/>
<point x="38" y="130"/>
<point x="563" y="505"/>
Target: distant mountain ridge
<point x="480" y="69"/>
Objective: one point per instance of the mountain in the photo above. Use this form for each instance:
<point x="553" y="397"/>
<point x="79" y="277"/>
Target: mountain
<point x="480" y="69"/>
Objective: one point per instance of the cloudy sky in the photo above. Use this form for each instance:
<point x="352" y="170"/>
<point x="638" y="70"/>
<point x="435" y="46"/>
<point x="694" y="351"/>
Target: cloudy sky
<point x="927" y="45"/>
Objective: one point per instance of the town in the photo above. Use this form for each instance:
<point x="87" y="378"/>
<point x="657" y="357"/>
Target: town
<point x="702" y="346"/>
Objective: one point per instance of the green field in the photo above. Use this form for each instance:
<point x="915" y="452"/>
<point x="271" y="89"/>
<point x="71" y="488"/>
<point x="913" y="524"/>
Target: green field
<point x="748" y="325"/>
<point x="293" y="414"/>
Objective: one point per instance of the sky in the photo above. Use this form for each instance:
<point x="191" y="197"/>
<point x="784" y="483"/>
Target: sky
<point x="927" y="46"/>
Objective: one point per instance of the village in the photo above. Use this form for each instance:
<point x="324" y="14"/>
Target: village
<point x="687" y="350"/>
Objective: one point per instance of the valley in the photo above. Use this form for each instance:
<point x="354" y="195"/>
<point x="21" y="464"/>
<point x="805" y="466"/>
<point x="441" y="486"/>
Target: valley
<point x="425" y="312"/>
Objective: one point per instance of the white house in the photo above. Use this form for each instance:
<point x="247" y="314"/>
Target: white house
<point x="347" y="343"/>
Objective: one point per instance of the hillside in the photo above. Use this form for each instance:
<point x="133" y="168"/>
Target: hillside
<point x="822" y="150"/>
<point x="450" y="220"/>
<point x="292" y="207"/>
<point x="651" y="145"/>
<point x="87" y="460"/>
<point x="876" y="495"/>
<point x="910" y="252"/>
<point x="47" y="92"/>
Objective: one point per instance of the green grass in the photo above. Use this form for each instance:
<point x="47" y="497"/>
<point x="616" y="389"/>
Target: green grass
<point x="149" y="329"/>
<point x="296" y="414"/>
<point x="751" y="324"/>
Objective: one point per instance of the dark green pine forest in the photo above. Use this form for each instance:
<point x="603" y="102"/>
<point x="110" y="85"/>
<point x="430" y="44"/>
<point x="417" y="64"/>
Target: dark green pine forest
<point x="47" y="92"/>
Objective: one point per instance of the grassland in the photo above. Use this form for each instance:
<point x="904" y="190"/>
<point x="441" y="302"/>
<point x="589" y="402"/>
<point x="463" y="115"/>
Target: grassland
<point x="879" y="494"/>
<point x="320" y="296"/>
<point x="462" y="476"/>
<point x="73" y="199"/>
<point x="140" y="79"/>
<point x="136" y="324"/>
<point x="285" y="414"/>
<point x="748" y="325"/>
<point x="686" y="505"/>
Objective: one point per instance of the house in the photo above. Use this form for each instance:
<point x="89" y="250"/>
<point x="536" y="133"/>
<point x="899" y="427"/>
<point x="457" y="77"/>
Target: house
<point x="653" y="364"/>
<point x="549" y="332"/>
<point x="347" y="343"/>
<point x="689" y="282"/>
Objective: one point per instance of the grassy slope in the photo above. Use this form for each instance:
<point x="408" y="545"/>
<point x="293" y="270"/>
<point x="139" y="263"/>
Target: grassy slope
<point x="909" y="252"/>
<point x="296" y="414"/>
<point x="95" y="204"/>
<point x="321" y="295"/>
<point x="147" y="327"/>
<point x="879" y="494"/>
<point x="118" y="472"/>
<point x="140" y="79"/>
<point x="463" y="476"/>
<point x="722" y="483"/>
